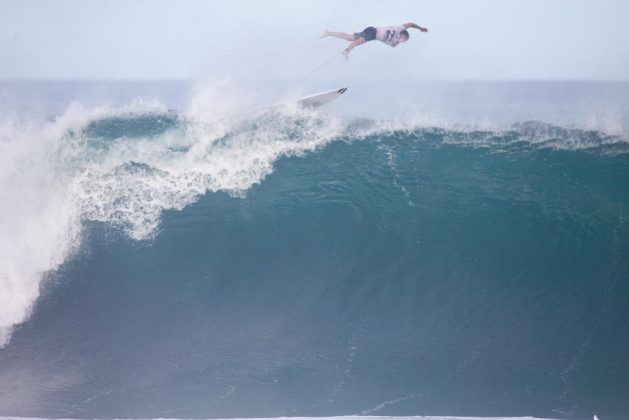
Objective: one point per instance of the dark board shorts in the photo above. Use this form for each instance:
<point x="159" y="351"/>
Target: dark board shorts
<point x="369" y="34"/>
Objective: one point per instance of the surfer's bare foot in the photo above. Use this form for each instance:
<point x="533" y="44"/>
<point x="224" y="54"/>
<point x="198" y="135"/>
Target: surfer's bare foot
<point x="325" y="33"/>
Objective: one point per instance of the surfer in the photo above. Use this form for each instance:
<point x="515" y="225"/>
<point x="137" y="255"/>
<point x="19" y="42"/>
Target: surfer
<point x="391" y="35"/>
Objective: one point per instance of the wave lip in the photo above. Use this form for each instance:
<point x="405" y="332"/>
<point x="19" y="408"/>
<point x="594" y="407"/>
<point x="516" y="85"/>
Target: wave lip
<point x="39" y="219"/>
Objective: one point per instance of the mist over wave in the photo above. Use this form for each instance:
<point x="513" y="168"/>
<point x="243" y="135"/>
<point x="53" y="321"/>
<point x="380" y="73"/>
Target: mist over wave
<point x="324" y="262"/>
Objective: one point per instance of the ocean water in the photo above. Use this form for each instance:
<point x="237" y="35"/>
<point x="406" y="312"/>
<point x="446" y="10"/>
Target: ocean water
<point x="169" y="251"/>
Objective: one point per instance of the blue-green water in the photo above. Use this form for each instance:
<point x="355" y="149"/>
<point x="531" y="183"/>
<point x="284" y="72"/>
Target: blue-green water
<point x="302" y="265"/>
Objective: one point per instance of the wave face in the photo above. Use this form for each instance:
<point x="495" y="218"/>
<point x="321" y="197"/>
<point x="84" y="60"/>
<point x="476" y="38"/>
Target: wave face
<point x="165" y="264"/>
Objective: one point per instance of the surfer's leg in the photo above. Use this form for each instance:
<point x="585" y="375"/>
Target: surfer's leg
<point x="342" y="35"/>
<point x="358" y="41"/>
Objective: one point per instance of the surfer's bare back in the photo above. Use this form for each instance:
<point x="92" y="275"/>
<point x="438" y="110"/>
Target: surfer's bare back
<point x="391" y="35"/>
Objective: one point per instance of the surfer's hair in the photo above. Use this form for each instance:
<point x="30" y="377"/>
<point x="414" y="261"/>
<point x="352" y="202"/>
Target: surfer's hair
<point x="405" y="34"/>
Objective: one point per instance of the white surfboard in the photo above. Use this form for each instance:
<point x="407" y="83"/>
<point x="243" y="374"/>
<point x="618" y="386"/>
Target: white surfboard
<point x="322" y="98"/>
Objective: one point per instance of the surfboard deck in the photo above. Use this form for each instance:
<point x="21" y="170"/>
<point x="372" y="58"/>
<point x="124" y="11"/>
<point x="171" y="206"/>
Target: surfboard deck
<point x="316" y="100"/>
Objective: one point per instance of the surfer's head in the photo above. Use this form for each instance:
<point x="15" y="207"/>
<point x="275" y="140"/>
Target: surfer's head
<point x="404" y="36"/>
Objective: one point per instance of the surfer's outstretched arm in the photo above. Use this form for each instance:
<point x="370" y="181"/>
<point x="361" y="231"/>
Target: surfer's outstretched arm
<point x="416" y="26"/>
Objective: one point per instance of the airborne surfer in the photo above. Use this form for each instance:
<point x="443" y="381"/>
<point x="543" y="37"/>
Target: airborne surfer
<point x="391" y="35"/>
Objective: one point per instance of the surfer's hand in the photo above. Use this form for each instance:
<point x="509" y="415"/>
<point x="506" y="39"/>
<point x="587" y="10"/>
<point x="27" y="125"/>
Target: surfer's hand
<point x="345" y="54"/>
<point x="423" y="29"/>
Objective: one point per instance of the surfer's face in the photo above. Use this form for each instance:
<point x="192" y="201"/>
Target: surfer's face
<point x="403" y="39"/>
